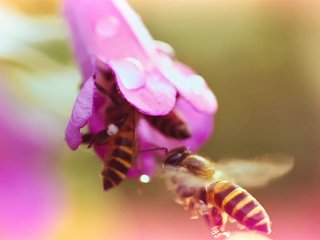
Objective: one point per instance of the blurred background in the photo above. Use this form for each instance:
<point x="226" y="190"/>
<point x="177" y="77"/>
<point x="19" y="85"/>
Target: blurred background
<point x="261" y="59"/>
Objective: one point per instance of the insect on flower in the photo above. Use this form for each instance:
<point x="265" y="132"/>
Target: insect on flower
<point x="163" y="100"/>
<point x="206" y="188"/>
<point x="120" y="132"/>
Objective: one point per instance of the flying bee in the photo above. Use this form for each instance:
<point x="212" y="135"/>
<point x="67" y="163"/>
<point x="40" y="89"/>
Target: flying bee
<point x="119" y="135"/>
<point x="205" y="188"/>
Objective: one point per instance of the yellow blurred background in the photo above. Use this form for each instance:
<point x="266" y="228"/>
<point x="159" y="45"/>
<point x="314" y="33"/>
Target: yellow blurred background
<point x="261" y="58"/>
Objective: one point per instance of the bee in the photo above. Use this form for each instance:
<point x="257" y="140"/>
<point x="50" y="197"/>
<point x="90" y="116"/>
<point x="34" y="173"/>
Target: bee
<point x="171" y="125"/>
<point x="119" y="136"/>
<point x="121" y="154"/>
<point x="205" y="188"/>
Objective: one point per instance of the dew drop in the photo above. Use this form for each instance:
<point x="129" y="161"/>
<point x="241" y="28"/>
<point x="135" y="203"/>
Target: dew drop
<point x="165" y="48"/>
<point x="144" y="178"/>
<point x="107" y="27"/>
<point x="130" y="72"/>
<point x="197" y="84"/>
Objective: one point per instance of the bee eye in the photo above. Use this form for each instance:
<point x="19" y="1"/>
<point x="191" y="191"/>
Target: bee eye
<point x="176" y="155"/>
<point x="174" y="159"/>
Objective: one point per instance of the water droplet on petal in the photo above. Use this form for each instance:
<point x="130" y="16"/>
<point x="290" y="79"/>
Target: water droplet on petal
<point x="130" y="72"/>
<point x="107" y="27"/>
<point x="165" y="48"/>
<point x="197" y="84"/>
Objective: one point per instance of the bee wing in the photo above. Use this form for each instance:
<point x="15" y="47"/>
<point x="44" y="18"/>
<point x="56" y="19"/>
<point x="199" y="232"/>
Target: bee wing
<point x="255" y="172"/>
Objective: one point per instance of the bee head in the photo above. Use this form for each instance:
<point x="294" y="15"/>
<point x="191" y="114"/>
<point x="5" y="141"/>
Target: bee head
<point x="176" y="155"/>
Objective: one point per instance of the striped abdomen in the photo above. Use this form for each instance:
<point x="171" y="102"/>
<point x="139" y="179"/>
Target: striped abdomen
<point x="240" y="205"/>
<point x="119" y="161"/>
<point x="170" y="125"/>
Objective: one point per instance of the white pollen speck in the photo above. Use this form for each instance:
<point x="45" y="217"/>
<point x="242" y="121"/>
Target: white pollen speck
<point x="112" y="130"/>
<point x="144" y="178"/>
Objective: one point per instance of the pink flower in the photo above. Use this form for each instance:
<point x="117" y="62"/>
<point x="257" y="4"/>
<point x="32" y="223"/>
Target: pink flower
<point x="108" y="36"/>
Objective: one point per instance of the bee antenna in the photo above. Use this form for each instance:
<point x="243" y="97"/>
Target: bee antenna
<point x="156" y="149"/>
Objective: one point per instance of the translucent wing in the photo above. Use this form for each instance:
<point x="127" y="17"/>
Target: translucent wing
<point x="255" y="172"/>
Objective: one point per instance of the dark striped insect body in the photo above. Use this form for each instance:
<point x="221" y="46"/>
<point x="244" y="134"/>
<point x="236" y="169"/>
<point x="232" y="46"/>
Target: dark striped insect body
<point x="203" y="188"/>
<point x="121" y="154"/>
<point x="171" y="125"/>
<point x="240" y="205"/>
<point x="119" y="136"/>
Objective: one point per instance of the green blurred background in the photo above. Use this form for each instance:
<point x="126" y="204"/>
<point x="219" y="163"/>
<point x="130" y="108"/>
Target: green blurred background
<point x="261" y="59"/>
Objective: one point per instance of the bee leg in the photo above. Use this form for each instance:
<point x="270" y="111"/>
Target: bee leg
<point x="207" y="219"/>
<point x="183" y="191"/>
<point x="154" y="149"/>
<point x="106" y="72"/>
<point x="102" y="136"/>
<point x="202" y="195"/>
<point x="192" y="208"/>
<point x="98" y="138"/>
<point x="214" y="219"/>
<point x="219" y="218"/>
<point x="217" y="221"/>
<point x="86" y="138"/>
<point x="115" y="100"/>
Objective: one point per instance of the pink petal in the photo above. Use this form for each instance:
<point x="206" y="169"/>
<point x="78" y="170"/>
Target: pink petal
<point x="97" y="121"/>
<point x="145" y="162"/>
<point x="190" y="86"/>
<point x="114" y="34"/>
<point x="149" y="92"/>
<point x="84" y="56"/>
<point x="110" y="29"/>
<point x="200" y="124"/>
<point x="81" y="112"/>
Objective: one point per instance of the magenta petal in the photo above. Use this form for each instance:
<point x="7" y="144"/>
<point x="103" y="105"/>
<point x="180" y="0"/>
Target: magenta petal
<point x="110" y="32"/>
<point x="189" y="85"/>
<point x="110" y="28"/>
<point x="84" y="56"/>
<point x="200" y="124"/>
<point x="148" y="164"/>
<point x="81" y="112"/>
<point x="148" y="91"/>
<point x="145" y="162"/>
